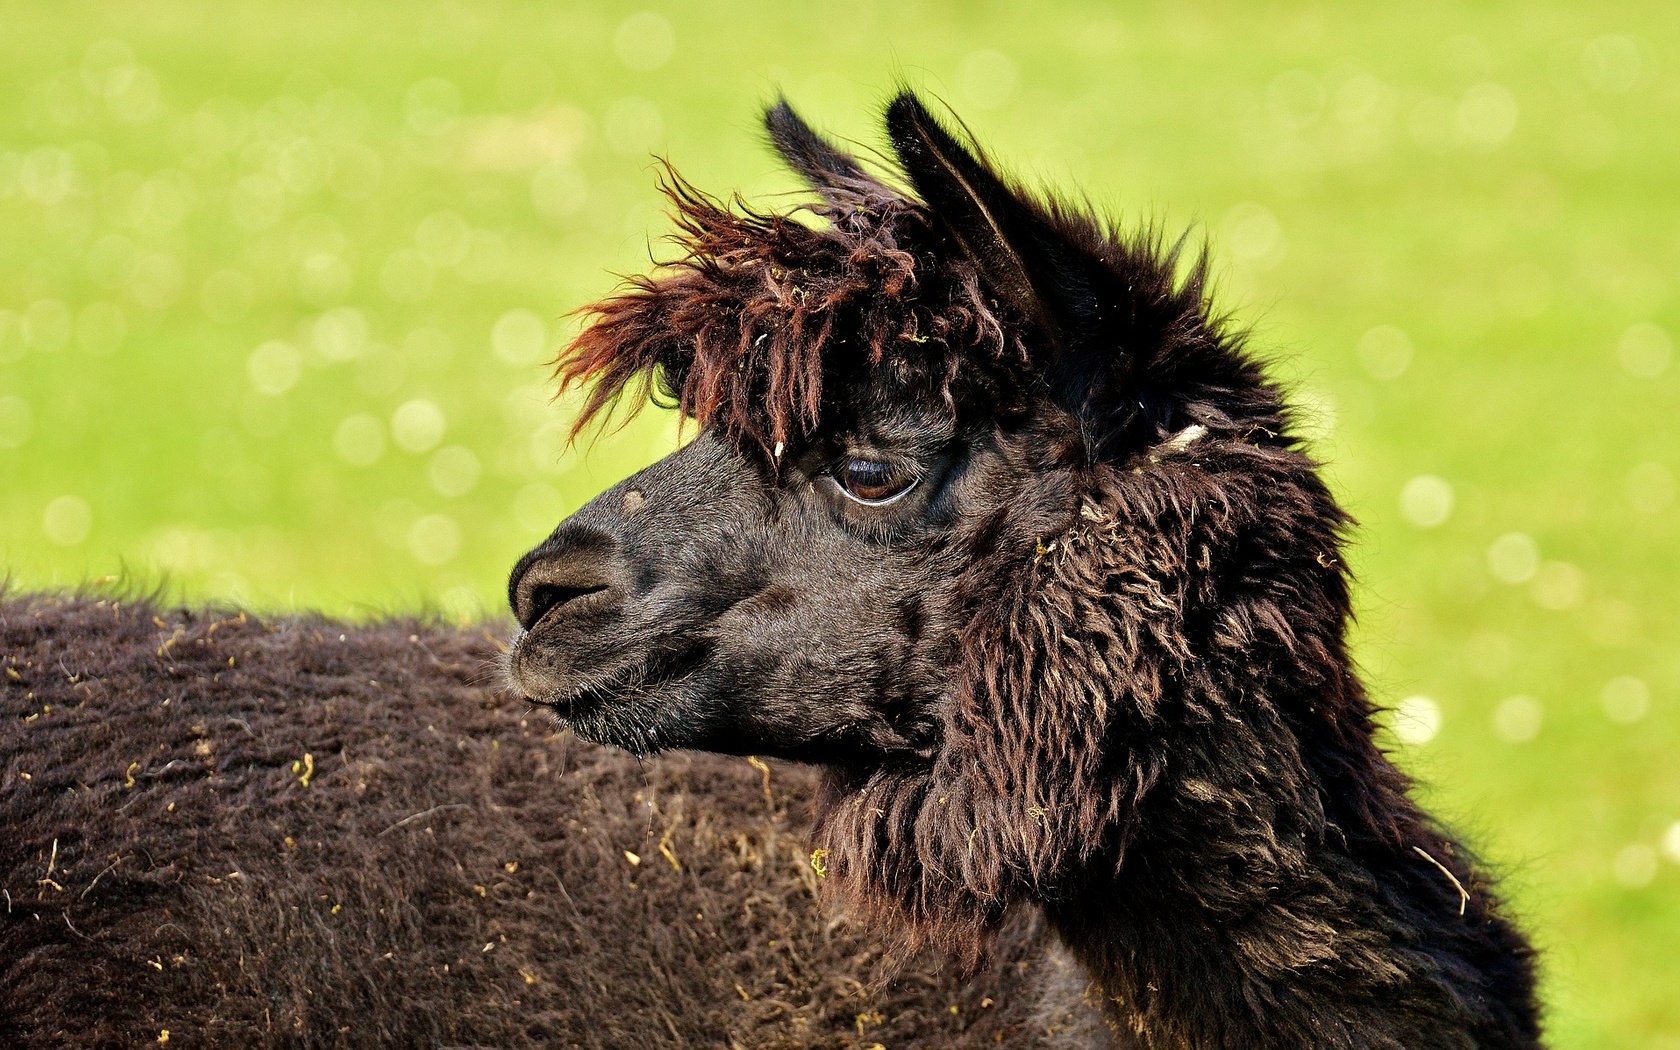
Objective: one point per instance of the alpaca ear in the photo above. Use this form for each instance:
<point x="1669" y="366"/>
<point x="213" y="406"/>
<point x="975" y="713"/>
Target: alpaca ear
<point x="1022" y="256"/>
<point x="833" y="173"/>
<point x="1026" y="258"/>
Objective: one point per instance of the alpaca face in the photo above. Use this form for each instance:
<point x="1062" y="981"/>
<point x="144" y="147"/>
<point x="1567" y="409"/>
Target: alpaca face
<point x="803" y="605"/>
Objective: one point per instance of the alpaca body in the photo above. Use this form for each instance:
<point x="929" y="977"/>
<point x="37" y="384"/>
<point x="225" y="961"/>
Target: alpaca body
<point x="294" y="832"/>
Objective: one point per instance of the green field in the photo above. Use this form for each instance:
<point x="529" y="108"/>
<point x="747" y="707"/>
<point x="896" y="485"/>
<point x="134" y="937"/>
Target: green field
<point x="277" y="282"/>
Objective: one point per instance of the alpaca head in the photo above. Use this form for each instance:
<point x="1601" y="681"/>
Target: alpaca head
<point x="979" y="487"/>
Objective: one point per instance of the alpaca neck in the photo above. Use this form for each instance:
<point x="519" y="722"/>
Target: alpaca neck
<point x="1231" y="922"/>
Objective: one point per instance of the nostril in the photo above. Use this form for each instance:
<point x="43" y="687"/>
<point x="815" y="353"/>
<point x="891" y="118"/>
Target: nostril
<point x="577" y="570"/>
<point x="548" y="596"/>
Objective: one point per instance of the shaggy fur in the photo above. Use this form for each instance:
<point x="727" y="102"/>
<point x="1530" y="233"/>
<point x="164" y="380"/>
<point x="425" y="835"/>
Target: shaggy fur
<point x="293" y="832"/>
<point x="747" y="327"/>
<point x="1092" y="661"/>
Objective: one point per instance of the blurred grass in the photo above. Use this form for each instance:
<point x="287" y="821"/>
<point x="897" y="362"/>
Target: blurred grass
<point x="276" y="284"/>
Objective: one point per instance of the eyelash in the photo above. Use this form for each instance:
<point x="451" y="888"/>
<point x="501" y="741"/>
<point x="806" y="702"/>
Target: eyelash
<point x="892" y="471"/>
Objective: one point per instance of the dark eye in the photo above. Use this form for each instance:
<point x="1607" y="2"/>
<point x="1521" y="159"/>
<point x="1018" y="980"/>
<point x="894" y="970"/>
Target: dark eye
<point x="873" y="482"/>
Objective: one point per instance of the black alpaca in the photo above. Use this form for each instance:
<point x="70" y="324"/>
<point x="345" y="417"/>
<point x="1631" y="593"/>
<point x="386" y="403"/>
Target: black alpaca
<point x="993" y="519"/>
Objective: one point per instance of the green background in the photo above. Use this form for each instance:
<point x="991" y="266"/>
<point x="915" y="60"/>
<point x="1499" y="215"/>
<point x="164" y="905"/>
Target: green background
<point x="277" y="282"/>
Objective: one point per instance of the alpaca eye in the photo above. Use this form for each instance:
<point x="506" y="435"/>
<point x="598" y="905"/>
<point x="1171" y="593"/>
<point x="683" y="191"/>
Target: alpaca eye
<point x="873" y="482"/>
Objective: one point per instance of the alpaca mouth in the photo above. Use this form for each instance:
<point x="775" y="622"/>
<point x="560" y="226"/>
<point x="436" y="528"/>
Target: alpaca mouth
<point x="576" y="700"/>
<point x="620" y="686"/>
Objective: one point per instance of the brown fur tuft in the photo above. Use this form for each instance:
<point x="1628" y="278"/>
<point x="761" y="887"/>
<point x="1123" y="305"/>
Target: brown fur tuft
<point x="760" y="312"/>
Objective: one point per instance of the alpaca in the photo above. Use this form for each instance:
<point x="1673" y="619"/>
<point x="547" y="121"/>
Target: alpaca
<point x="218" y="830"/>
<point x="992" y="518"/>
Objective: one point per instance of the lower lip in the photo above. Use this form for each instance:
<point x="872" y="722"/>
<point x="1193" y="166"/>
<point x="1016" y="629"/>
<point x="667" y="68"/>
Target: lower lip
<point x="580" y="702"/>
<point x="635" y="680"/>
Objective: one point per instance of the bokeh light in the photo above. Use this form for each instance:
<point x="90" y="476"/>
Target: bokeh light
<point x="1518" y="719"/>
<point x="1426" y="501"/>
<point x="67" y="520"/>
<point x="1417" y="720"/>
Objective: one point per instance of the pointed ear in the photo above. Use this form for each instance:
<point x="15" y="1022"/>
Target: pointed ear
<point x="833" y="173"/>
<point x="1021" y="255"/>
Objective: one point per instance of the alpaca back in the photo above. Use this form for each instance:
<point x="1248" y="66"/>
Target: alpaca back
<point x="298" y="832"/>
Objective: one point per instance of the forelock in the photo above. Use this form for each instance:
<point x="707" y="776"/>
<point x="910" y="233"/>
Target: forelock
<point x="760" y="314"/>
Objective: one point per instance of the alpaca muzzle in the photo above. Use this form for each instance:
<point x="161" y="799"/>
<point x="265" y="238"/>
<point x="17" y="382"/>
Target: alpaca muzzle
<point x="568" y="596"/>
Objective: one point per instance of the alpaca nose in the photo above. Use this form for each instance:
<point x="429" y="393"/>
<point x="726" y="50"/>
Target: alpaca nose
<point x="572" y="573"/>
